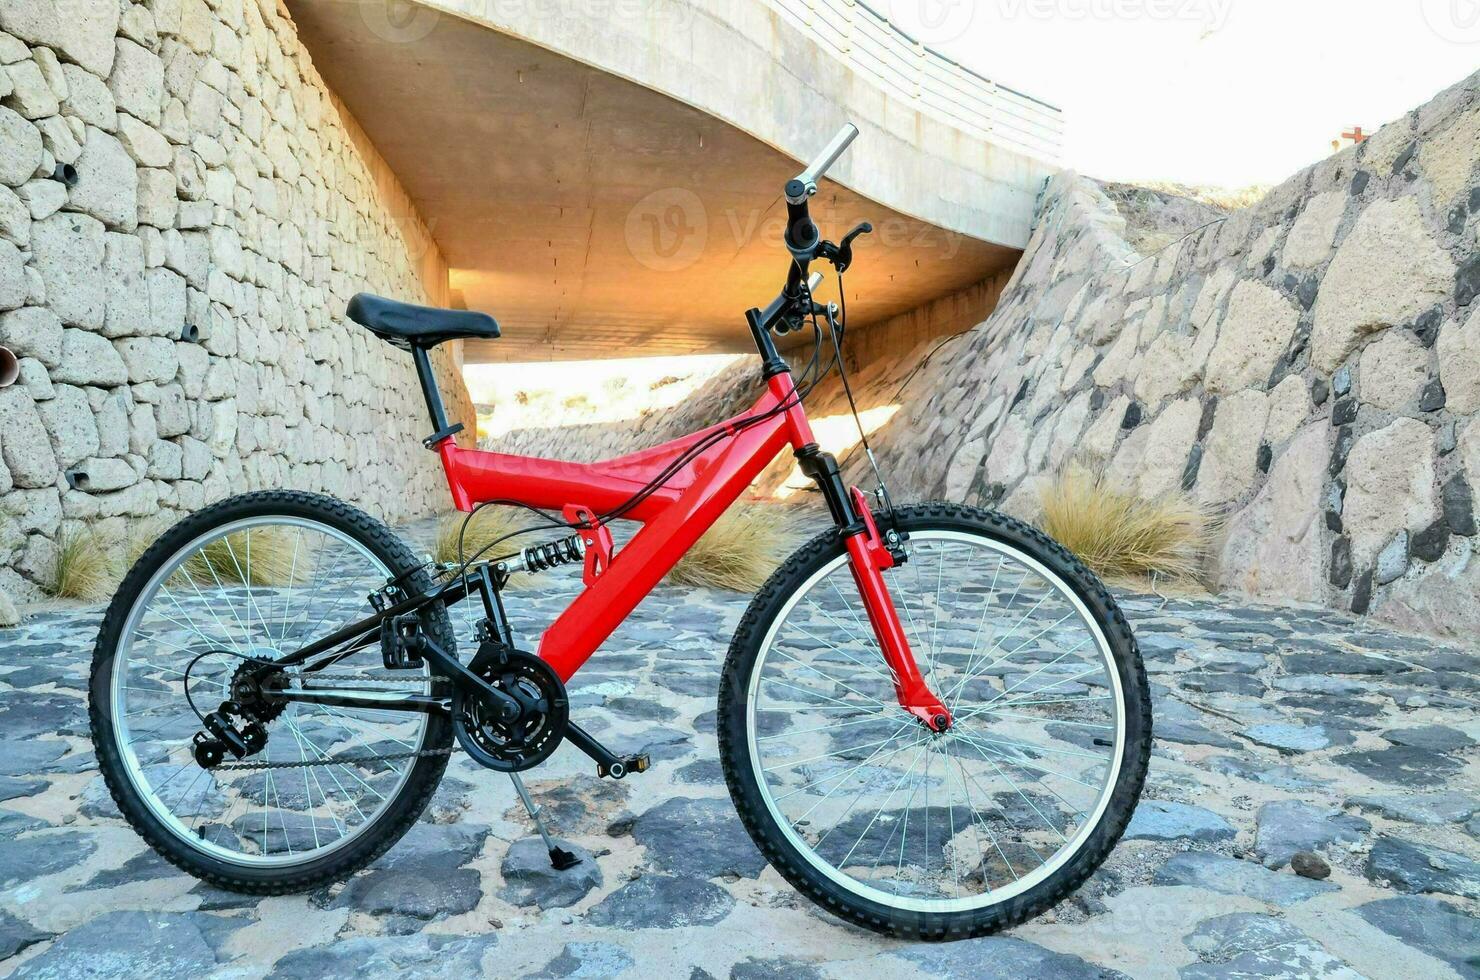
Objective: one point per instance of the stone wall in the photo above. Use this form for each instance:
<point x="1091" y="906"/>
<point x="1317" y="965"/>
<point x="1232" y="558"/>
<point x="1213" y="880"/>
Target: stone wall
<point x="1309" y="367"/>
<point x="177" y="297"/>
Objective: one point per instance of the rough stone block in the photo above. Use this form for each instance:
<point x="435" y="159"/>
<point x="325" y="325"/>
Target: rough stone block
<point x="103" y="475"/>
<point x="24" y="445"/>
<point x="1365" y="290"/>
<point x="1254" y="335"/>
<point x="1393" y="370"/>
<point x="33" y="332"/>
<point x="20" y="148"/>
<point x="144" y="143"/>
<point x="89" y="359"/>
<point x="1390" y="486"/>
<point x="88" y="99"/>
<point x="1274" y="545"/>
<point x="43" y="197"/>
<point x="137" y="81"/>
<point x="15" y="218"/>
<point x="148" y="358"/>
<point x="13" y="286"/>
<point x="107" y="183"/>
<point x="67" y="250"/>
<point x="70" y="425"/>
<point x="1459" y="363"/>
<point x="1227" y="470"/>
<point x="167" y="305"/>
<point x="172" y="412"/>
<point x="127" y="297"/>
<point x="83" y="30"/>
<point x="30" y="95"/>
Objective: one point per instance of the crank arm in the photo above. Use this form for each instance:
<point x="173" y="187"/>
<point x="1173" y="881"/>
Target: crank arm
<point x="607" y="763"/>
<point x="368" y="698"/>
<point x="507" y="706"/>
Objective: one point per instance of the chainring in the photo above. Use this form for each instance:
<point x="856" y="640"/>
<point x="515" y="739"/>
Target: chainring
<point x="528" y="740"/>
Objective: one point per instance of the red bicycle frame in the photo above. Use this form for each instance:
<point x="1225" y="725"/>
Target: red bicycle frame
<point x="675" y="515"/>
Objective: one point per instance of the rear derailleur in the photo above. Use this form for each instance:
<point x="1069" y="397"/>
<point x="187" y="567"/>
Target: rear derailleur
<point x="239" y="725"/>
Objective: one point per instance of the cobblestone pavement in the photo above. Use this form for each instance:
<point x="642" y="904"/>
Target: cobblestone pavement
<point x="1279" y="730"/>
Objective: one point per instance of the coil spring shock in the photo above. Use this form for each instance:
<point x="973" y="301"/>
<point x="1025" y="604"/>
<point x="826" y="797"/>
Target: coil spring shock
<point x="540" y="557"/>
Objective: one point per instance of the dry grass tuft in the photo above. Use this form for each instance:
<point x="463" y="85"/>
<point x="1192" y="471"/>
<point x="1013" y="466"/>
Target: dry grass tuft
<point x="88" y="565"/>
<point x="740" y="551"/>
<point x="1120" y="535"/>
<point x="269" y="556"/>
<point x="1222" y="198"/>
<point x="138" y="538"/>
<point x="487" y="526"/>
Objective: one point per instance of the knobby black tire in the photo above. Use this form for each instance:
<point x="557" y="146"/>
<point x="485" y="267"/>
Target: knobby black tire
<point x="934" y="926"/>
<point x="423" y="777"/>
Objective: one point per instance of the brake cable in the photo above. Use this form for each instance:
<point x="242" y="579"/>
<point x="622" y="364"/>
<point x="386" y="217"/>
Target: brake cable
<point x="838" y="329"/>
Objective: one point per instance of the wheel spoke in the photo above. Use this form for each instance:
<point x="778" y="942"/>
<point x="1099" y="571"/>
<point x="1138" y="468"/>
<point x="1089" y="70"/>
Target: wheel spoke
<point x="246" y="592"/>
<point x="882" y="814"/>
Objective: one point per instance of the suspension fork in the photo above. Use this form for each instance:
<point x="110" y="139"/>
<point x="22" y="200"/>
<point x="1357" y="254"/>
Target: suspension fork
<point x="868" y="558"/>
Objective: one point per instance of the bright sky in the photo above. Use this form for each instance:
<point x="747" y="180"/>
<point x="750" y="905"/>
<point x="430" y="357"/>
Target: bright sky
<point x="1223" y="92"/>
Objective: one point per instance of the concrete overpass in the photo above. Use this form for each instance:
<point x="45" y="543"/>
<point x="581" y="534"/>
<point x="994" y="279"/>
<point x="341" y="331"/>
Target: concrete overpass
<point x="604" y="177"/>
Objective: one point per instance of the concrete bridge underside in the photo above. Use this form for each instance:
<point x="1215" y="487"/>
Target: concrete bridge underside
<point x="595" y="216"/>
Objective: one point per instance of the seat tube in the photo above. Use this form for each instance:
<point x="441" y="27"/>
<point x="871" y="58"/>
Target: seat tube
<point x="429" y="390"/>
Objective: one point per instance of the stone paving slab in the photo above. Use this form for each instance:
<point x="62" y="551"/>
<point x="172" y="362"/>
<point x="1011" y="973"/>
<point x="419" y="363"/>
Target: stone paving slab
<point x="1282" y="732"/>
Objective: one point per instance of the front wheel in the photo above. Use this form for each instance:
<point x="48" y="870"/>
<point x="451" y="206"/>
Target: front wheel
<point x="925" y="835"/>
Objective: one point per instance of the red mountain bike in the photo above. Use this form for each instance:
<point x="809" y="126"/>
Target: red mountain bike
<point x="932" y="719"/>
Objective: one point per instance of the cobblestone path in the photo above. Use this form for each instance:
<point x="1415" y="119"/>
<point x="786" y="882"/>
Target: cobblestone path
<point x="1280" y="731"/>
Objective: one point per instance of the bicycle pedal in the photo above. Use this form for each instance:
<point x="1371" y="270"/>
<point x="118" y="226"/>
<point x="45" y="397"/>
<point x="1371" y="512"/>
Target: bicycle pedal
<point x="621" y="767"/>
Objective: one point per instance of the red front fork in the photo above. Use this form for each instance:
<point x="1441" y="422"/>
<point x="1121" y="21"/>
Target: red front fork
<point x="868" y="559"/>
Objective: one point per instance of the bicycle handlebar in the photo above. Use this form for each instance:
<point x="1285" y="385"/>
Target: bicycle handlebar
<point x="801" y="230"/>
<point x="804" y="184"/>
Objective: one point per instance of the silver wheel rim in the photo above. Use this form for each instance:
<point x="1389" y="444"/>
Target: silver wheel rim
<point x="194" y="790"/>
<point x="906" y="751"/>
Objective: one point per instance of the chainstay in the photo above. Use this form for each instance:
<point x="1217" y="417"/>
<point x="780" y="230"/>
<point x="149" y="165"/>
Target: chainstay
<point x="348" y="759"/>
<point x="334" y="760"/>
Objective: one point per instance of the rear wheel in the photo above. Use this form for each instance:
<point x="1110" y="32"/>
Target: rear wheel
<point x="223" y="593"/>
<point x="905" y="831"/>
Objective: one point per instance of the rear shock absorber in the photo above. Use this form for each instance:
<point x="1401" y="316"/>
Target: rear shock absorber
<point x="540" y="557"/>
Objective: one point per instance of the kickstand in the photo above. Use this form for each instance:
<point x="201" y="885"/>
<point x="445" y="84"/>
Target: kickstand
<point x="560" y="859"/>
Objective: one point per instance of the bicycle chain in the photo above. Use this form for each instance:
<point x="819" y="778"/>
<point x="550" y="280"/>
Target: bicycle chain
<point x="341" y="760"/>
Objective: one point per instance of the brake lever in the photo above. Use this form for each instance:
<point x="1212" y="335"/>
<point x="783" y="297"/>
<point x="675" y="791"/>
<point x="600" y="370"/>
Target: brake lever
<point x="841" y="254"/>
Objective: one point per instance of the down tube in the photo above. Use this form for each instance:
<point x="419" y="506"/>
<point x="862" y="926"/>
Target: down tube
<point x="652" y="552"/>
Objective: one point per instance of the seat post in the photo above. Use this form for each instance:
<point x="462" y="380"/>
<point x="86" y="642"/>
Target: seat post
<point x="433" y="398"/>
